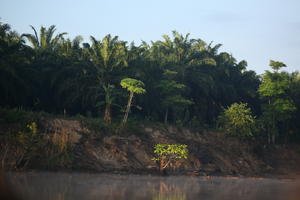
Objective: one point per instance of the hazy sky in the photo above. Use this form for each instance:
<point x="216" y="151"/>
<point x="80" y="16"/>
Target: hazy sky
<point x="252" y="30"/>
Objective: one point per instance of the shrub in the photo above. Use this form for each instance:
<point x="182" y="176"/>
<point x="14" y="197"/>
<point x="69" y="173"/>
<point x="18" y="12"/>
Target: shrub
<point x="168" y="154"/>
<point x="237" y="120"/>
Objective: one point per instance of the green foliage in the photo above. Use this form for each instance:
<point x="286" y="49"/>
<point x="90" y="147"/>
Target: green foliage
<point x="108" y="93"/>
<point x="276" y="65"/>
<point x="173" y="151"/>
<point x="33" y="128"/>
<point x="274" y="84"/>
<point x="283" y="107"/>
<point x="133" y="85"/>
<point x="108" y="54"/>
<point x="26" y="138"/>
<point x="172" y="94"/>
<point x="168" y="154"/>
<point x="237" y="120"/>
<point x="46" y="39"/>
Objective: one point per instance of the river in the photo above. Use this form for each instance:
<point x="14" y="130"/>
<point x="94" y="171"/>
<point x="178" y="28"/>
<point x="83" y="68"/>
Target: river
<point x="79" y="186"/>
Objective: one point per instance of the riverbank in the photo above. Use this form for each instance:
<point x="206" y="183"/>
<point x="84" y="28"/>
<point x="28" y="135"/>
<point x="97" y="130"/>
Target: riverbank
<point x="32" y="141"/>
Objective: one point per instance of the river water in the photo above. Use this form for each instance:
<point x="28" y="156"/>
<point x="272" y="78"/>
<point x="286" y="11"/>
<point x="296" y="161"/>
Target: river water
<point x="79" y="186"/>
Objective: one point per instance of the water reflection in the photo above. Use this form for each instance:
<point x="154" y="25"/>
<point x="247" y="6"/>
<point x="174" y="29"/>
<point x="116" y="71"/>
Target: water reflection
<point x="64" y="186"/>
<point x="168" y="192"/>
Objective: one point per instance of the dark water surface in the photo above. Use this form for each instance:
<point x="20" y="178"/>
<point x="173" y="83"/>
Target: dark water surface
<point x="78" y="186"/>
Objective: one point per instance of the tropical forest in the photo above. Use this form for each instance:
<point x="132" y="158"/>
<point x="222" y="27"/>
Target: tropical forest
<point x="185" y="81"/>
<point x="177" y="105"/>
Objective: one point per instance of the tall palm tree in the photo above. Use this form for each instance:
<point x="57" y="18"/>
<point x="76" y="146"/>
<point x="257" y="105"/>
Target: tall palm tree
<point x="107" y="56"/>
<point x="45" y="65"/>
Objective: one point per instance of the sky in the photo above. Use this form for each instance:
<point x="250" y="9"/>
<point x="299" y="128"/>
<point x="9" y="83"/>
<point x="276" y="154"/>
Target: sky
<point x="252" y="30"/>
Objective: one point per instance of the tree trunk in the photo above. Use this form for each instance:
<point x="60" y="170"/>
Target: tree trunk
<point x="107" y="113"/>
<point x="162" y="168"/>
<point x="270" y="129"/>
<point x="269" y="136"/>
<point x="286" y="131"/>
<point x="274" y="129"/>
<point x="128" y="108"/>
<point x="166" y="116"/>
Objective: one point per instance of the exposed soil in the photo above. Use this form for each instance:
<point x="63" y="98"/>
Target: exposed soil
<point x="210" y="153"/>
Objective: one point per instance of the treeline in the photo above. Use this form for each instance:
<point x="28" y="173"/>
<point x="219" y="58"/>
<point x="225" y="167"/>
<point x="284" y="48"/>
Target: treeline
<point x="188" y="82"/>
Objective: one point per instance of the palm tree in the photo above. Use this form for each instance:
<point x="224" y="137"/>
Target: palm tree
<point x="45" y="64"/>
<point x="107" y="56"/>
<point x="46" y="40"/>
<point x="71" y="48"/>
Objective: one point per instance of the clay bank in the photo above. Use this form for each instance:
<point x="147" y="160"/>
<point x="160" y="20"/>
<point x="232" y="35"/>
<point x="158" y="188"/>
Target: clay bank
<point x="68" y="144"/>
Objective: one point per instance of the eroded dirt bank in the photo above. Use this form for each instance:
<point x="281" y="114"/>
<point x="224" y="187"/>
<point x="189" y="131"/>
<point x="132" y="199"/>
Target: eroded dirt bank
<point x="131" y="151"/>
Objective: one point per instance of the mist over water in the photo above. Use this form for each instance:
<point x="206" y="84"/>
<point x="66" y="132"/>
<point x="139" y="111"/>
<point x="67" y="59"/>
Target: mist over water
<point x="77" y="186"/>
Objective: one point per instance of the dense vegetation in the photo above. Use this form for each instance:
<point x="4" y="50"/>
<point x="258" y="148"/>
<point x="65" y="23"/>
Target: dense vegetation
<point x="184" y="81"/>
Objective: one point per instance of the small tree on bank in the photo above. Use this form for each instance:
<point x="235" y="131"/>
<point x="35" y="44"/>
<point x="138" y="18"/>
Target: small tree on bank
<point x="167" y="154"/>
<point x="237" y="120"/>
<point x="134" y="87"/>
